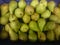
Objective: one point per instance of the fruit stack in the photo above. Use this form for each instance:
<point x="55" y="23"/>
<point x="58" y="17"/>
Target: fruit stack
<point x="39" y="20"/>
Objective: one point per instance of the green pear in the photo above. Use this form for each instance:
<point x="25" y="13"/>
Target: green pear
<point x="51" y="7"/>
<point x="26" y="18"/>
<point x="32" y="36"/>
<point x="46" y="14"/>
<point x="57" y="32"/>
<point x="40" y="8"/>
<point x="12" y="6"/>
<point x="18" y="13"/>
<point x="57" y="11"/>
<point x="29" y="10"/>
<point x="50" y="26"/>
<point x="41" y="23"/>
<point x="4" y="20"/>
<point x="7" y="27"/>
<point x="50" y="36"/>
<point x="34" y="3"/>
<point x="22" y="4"/>
<point x="12" y="18"/>
<point x="44" y="2"/>
<point x="35" y="16"/>
<point x="4" y="9"/>
<point x="15" y="25"/>
<point x="22" y="36"/>
<point x="24" y="28"/>
<point x="3" y="34"/>
<point x="33" y="26"/>
<point x="13" y="36"/>
<point x="41" y="36"/>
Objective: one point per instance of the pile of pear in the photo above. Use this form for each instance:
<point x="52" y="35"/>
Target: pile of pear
<point x="39" y="20"/>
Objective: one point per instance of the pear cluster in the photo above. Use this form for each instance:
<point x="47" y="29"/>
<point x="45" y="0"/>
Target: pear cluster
<point x="40" y="20"/>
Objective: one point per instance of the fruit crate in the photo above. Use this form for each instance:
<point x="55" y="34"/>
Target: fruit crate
<point x="7" y="41"/>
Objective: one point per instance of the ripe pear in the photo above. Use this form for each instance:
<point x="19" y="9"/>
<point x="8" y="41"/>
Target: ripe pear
<point x="26" y="18"/>
<point x="18" y="13"/>
<point x="46" y="14"/>
<point x="24" y="28"/>
<point x="33" y="26"/>
<point x="22" y="36"/>
<point x="12" y="18"/>
<point x="34" y="3"/>
<point x="32" y="36"/>
<point x="22" y="4"/>
<point x="51" y="7"/>
<point x="35" y="16"/>
<point x="41" y="23"/>
<point x="4" y="9"/>
<point x="15" y="25"/>
<point x="29" y="10"/>
<point x="50" y="36"/>
<point x="12" y="6"/>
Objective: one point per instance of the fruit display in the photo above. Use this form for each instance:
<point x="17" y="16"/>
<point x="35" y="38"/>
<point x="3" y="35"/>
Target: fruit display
<point x="39" y="20"/>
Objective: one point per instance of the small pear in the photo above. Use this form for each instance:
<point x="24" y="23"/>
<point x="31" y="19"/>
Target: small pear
<point x="4" y="20"/>
<point x="46" y="14"/>
<point x="12" y="6"/>
<point x="22" y="4"/>
<point x="34" y="3"/>
<point x="41" y="23"/>
<point x="33" y="26"/>
<point x="4" y="9"/>
<point x="29" y="10"/>
<point x="22" y="36"/>
<point x="50" y="36"/>
<point x="26" y="18"/>
<point x="12" y="18"/>
<point x="35" y="16"/>
<point x="51" y="7"/>
<point x="32" y="36"/>
<point x="15" y="25"/>
<point x="18" y="13"/>
<point x="24" y="28"/>
<point x="13" y="35"/>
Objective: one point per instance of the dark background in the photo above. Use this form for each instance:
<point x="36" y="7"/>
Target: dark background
<point x="8" y="42"/>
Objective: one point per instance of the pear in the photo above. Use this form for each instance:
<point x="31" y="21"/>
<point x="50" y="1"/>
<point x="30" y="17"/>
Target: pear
<point x="4" y="9"/>
<point x="57" y="11"/>
<point x="7" y="27"/>
<point x="18" y="13"/>
<point x="34" y="3"/>
<point x="40" y="8"/>
<point x="29" y="10"/>
<point x="51" y="7"/>
<point x="24" y="28"/>
<point x="4" y="34"/>
<point x="26" y="18"/>
<point x="13" y="36"/>
<point x="4" y="20"/>
<point x="22" y="36"/>
<point x="41" y="23"/>
<point x="50" y="36"/>
<point x="33" y="26"/>
<point x="12" y="18"/>
<point x="15" y="25"/>
<point x="12" y="6"/>
<point x="57" y="32"/>
<point x="46" y="14"/>
<point x="50" y="26"/>
<point x="44" y="2"/>
<point x="41" y="36"/>
<point x="35" y="16"/>
<point x="32" y="36"/>
<point x="22" y="4"/>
